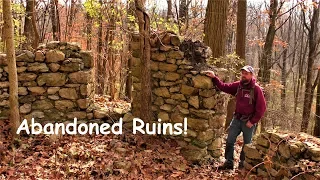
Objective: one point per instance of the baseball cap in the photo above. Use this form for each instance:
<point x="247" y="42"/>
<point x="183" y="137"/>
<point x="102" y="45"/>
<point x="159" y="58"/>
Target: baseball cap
<point x="248" y="69"/>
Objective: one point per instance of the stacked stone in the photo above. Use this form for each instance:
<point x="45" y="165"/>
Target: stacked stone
<point x="55" y="83"/>
<point x="284" y="155"/>
<point x="179" y="91"/>
<point x="136" y="75"/>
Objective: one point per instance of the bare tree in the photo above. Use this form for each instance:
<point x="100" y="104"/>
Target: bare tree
<point x="55" y="21"/>
<point x="145" y="47"/>
<point x="313" y="38"/>
<point x="30" y="27"/>
<point x="241" y="28"/>
<point x="8" y="35"/>
<point x="215" y="26"/>
<point x="169" y="12"/>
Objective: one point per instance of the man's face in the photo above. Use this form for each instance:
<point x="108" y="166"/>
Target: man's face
<point x="245" y="76"/>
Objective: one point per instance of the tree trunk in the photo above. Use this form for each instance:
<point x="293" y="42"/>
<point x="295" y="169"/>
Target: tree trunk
<point x="265" y="62"/>
<point x="169" y="12"/>
<point x="110" y="56"/>
<point x="240" y="50"/>
<point x="28" y="29"/>
<point x="215" y="26"/>
<point x="313" y="36"/>
<point x="130" y="10"/>
<point x="303" y="52"/>
<point x="182" y="11"/>
<point x="13" y="78"/>
<point x="144" y="30"/>
<point x="89" y="31"/>
<point x="100" y="70"/>
<point x="284" y="68"/>
<point x="316" y="130"/>
<point x="34" y="25"/>
<point x="54" y="15"/>
<point x="241" y="29"/>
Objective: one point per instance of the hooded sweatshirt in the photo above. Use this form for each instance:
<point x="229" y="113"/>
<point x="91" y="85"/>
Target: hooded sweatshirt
<point x="243" y="107"/>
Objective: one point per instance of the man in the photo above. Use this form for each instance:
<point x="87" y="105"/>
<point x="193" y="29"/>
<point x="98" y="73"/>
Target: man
<point x="250" y="107"/>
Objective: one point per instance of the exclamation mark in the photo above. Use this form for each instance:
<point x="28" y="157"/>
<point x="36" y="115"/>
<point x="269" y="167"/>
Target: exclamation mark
<point x="185" y="125"/>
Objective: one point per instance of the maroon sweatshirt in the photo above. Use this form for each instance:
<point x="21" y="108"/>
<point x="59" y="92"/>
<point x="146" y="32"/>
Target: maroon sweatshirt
<point x="258" y="106"/>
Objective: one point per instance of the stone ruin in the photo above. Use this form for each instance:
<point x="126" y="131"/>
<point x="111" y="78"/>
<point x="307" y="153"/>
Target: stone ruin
<point x="179" y="90"/>
<point x="281" y="155"/>
<point x="55" y="83"/>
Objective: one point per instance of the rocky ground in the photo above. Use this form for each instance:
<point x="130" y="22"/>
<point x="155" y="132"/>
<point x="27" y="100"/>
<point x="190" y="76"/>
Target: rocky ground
<point x="100" y="157"/>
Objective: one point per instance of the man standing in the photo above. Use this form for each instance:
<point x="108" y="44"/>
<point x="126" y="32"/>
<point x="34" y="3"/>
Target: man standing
<point x="250" y="107"/>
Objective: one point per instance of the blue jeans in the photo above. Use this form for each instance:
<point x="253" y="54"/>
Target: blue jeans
<point x="236" y="127"/>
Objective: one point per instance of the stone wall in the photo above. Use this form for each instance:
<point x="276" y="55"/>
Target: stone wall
<point x="279" y="155"/>
<point x="55" y="83"/>
<point x="180" y="89"/>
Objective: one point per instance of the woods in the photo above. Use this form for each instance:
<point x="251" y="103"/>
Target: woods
<point x="102" y="60"/>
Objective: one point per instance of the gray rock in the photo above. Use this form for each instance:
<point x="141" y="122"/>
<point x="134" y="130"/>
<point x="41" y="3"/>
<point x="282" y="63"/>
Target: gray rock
<point x="77" y="114"/>
<point x="22" y="91"/>
<point x="194" y="101"/>
<point x="36" y="90"/>
<point x="162" y="92"/>
<point x="68" y="93"/>
<point x="202" y="82"/>
<point x="52" y="79"/>
<point x="80" y="77"/>
<point x="170" y="76"/>
<point x="53" y="56"/>
<point x="54" y="67"/>
<point x="42" y="104"/>
<point x="87" y="58"/>
<point x="163" y="116"/>
<point x="64" y="105"/>
<point x="54" y="97"/>
<point x="27" y="77"/>
<point x="37" y="67"/>
<point x="39" y="56"/>
<point x="72" y="65"/>
<point x="82" y="103"/>
<point x="26" y="108"/>
<point x="167" y="67"/>
<point x="26" y="56"/>
<point x="53" y="90"/>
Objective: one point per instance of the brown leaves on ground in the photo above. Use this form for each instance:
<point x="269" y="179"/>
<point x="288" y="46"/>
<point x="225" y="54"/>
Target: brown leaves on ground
<point x="124" y="156"/>
<point x="104" y="102"/>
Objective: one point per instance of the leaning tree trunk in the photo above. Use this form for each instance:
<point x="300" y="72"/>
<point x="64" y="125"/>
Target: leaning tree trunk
<point x="215" y="26"/>
<point x="13" y="78"/>
<point x="265" y="62"/>
<point x="313" y="36"/>
<point x="284" y="73"/>
<point x="144" y="30"/>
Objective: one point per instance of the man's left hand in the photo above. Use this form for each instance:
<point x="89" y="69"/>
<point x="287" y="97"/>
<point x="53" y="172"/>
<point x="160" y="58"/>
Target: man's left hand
<point x="249" y="124"/>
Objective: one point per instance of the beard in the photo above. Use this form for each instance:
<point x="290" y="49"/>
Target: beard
<point x="244" y="80"/>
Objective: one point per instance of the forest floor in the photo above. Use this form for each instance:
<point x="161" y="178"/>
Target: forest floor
<point x="125" y="156"/>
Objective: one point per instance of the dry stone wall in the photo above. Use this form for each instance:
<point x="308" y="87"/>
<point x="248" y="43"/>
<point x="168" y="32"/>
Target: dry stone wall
<point x="179" y="89"/>
<point x="55" y="83"/>
<point x="279" y="155"/>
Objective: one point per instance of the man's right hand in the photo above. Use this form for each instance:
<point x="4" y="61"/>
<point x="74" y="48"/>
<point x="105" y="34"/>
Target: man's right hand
<point x="210" y="74"/>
